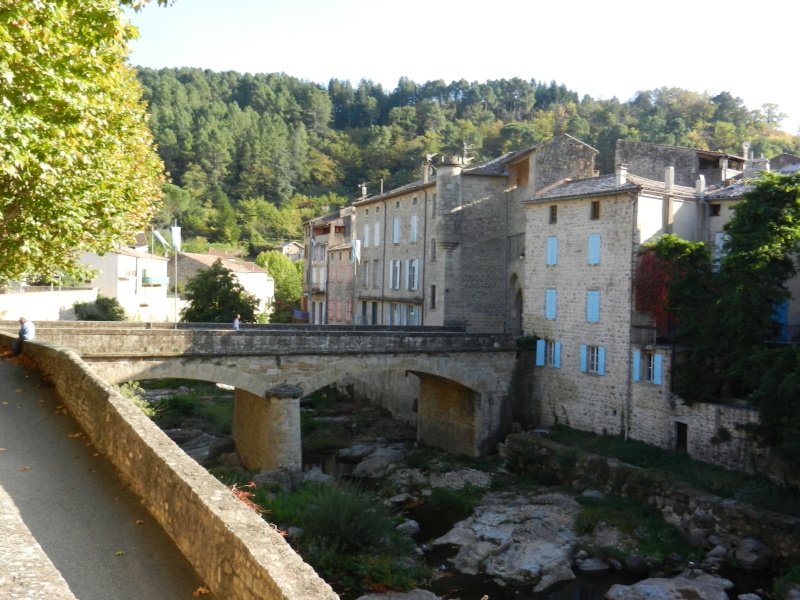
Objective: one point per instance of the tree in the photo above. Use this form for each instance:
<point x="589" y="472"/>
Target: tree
<point x="77" y="165"/>
<point x="215" y="296"/>
<point x="288" y="278"/>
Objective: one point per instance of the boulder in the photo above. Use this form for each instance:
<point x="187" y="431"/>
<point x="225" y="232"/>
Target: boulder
<point x="412" y="595"/>
<point x="688" y="585"/>
<point x="753" y="555"/>
<point x="519" y="538"/>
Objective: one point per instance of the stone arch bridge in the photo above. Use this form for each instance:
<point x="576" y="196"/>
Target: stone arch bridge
<point x="464" y="401"/>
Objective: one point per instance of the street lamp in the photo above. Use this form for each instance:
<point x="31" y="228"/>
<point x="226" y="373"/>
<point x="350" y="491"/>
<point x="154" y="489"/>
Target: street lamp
<point x="176" y="246"/>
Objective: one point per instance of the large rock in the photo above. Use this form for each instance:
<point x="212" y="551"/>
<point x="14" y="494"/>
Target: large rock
<point x="522" y="539"/>
<point x="753" y="555"/>
<point x="697" y="586"/>
<point x="379" y="464"/>
<point x="412" y="595"/>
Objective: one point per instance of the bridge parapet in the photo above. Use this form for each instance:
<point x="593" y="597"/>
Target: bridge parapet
<point x="104" y="341"/>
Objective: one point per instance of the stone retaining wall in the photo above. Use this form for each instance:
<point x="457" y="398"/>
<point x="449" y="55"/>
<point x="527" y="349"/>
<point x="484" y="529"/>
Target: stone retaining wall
<point x="706" y="520"/>
<point x="238" y="554"/>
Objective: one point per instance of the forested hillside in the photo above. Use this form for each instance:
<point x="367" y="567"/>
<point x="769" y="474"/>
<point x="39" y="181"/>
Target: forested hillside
<point x="252" y="156"/>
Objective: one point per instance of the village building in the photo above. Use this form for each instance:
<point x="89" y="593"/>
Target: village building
<point x="339" y="293"/>
<point x="253" y="278"/>
<point x="294" y="251"/>
<point x="137" y="279"/>
<point x="321" y="234"/>
<point x="447" y="249"/>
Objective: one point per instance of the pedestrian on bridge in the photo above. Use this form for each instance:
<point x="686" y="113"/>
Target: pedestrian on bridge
<point x="27" y="331"/>
<point x="236" y="323"/>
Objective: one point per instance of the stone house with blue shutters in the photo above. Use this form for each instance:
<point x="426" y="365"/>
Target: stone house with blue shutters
<point x="599" y="366"/>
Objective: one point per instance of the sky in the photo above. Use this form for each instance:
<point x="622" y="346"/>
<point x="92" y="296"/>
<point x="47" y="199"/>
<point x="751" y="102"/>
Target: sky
<point x="605" y="49"/>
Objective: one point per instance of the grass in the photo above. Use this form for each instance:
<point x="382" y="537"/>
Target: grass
<point x="348" y="537"/>
<point x="753" y="489"/>
<point x="644" y="525"/>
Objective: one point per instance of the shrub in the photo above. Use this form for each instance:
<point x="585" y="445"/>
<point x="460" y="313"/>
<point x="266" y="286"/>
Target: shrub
<point x="102" y="309"/>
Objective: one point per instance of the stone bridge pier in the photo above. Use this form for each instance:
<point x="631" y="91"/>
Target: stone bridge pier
<point x="267" y="429"/>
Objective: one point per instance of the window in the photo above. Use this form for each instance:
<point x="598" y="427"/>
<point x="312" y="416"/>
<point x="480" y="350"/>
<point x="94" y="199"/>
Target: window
<point x="548" y="353"/>
<point x="433" y="296"/>
<point x="550" y="304"/>
<point x="377" y="234"/>
<point x="339" y="309"/>
<point x="396" y="231"/>
<point x="366" y="273"/>
<point x="414" y="201"/>
<point x="330" y="310"/>
<point x="593" y="306"/>
<point x="647" y="367"/>
<point x="714" y="210"/>
<point x="397" y="205"/>
<point x="366" y="236"/>
<point x="377" y="276"/>
<point x="594" y="211"/>
<point x="552" y="250"/>
<point x="433" y="249"/>
<point x="433" y="206"/>
<point x="594" y="249"/>
<point x="393" y="314"/>
<point x="412" y="270"/>
<point x="593" y="360"/>
<point x="413" y="233"/>
<point x="395" y="271"/>
<point x="554" y="214"/>
<point x="366" y="212"/>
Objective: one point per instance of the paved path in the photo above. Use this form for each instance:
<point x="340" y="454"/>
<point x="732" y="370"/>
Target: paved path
<point x="69" y="528"/>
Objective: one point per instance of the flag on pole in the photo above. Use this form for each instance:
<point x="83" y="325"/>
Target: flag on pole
<point x="176" y="237"/>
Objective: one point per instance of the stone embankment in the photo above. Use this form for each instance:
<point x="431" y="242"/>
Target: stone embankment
<point x="727" y="530"/>
<point x="232" y="548"/>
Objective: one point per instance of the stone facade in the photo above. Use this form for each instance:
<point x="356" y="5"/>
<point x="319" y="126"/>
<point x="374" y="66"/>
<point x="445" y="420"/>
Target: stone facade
<point x="446" y="250"/>
<point x="649" y="160"/>
<point x="339" y="293"/>
<point x="557" y="296"/>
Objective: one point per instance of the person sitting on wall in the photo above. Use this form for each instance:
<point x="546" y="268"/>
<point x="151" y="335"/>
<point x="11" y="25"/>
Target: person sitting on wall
<point x="27" y="331"/>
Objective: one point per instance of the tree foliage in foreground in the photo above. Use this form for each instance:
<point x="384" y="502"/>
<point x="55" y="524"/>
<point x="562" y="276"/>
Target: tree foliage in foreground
<point x="78" y="169"/>
<point x="215" y="296"/>
<point x="728" y="315"/>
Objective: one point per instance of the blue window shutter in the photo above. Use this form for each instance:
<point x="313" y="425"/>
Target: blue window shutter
<point x="539" y="353"/>
<point x="583" y="358"/>
<point x="594" y="249"/>
<point x="552" y="250"/>
<point x="550" y="297"/>
<point x="780" y="315"/>
<point x="593" y="306"/>
<point x="601" y="360"/>
<point x="557" y="358"/>
<point x="637" y="357"/>
<point x="657" y="369"/>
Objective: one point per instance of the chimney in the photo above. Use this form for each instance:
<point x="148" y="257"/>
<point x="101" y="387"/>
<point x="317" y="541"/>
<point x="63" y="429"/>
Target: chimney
<point x="700" y="186"/>
<point x="669" y="179"/>
<point x="622" y="174"/>
<point x="425" y="171"/>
